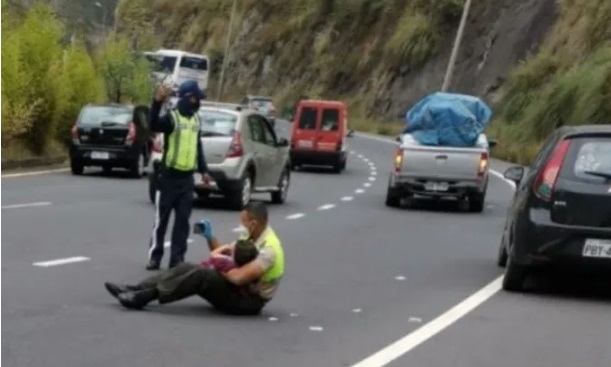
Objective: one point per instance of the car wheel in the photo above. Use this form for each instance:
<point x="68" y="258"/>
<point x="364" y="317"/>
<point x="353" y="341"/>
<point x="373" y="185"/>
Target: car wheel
<point x="477" y="202"/>
<point x="515" y="276"/>
<point x="239" y="199"/>
<point x="279" y="197"/>
<point x="344" y="164"/>
<point x="76" y="168"/>
<point x="501" y="259"/>
<point x="393" y="198"/>
<point x="136" y="169"/>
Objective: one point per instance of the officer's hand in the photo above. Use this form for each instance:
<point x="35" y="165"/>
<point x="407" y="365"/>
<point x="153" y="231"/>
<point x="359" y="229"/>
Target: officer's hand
<point x="163" y="92"/>
<point x="206" y="179"/>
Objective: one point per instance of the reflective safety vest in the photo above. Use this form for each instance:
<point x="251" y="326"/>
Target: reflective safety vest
<point x="181" y="152"/>
<point x="272" y="242"/>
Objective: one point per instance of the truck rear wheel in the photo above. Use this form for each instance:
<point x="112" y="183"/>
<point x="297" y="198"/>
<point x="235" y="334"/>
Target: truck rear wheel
<point x="477" y="202"/>
<point x="393" y="197"/>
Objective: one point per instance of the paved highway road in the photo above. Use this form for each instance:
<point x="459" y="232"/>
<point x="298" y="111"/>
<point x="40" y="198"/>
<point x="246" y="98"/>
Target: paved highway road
<point x="367" y="286"/>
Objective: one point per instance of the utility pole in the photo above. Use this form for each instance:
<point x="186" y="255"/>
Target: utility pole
<point x="447" y="80"/>
<point x="226" y="54"/>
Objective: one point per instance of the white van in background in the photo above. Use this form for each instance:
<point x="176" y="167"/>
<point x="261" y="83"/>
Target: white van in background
<point x="178" y="66"/>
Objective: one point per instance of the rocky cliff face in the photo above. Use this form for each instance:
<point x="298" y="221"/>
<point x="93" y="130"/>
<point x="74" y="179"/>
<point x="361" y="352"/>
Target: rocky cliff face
<point x="384" y="54"/>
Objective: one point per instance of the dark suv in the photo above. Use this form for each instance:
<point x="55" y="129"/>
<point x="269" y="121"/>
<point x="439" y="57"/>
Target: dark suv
<point x="561" y="212"/>
<point x="111" y="136"/>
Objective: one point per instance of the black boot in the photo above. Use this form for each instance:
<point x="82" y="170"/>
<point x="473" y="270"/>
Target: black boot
<point x="153" y="264"/>
<point x="136" y="300"/>
<point x="116" y="289"/>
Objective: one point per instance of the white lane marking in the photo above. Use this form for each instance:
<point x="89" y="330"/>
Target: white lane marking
<point x="238" y="229"/>
<point x="26" y="205"/>
<point x="374" y="173"/>
<point x="359" y="191"/>
<point x="326" y="207"/>
<point x="273" y="319"/>
<point x="56" y="262"/>
<point x="356" y="310"/>
<point x="400" y="277"/>
<point x="434" y="327"/>
<point x="372" y="178"/>
<point x="415" y="319"/>
<point x="347" y="198"/>
<point x="367" y="184"/>
<point x="360" y="156"/>
<point x="295" y="216"/>
<point x="293" y="314"/>
<point x="502" y="177"/>
<point x="316" y="328"/>
<point x="35" y="173"/>
<point x="167" y="244"/>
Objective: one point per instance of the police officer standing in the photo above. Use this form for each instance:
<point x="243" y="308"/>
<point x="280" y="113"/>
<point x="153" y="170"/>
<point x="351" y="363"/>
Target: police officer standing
<point x="182" y="157"/>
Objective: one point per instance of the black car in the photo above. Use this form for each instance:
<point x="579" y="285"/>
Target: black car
<point x="110" y="136"/>
<point x="561" y="212"/>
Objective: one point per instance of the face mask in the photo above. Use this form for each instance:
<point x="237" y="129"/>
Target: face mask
<point x="195" y="106"/>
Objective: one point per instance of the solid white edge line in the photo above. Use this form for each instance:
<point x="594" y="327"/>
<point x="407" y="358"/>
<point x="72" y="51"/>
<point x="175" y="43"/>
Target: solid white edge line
<point x="34" y="173"/>
<point x="26" y="205"/>
<point x="295" y="216"/>
<point x="404" y="345"/>
<point x="434" y="327"/>
<point x="326" y="207"/>
<point x="56" y="262"/>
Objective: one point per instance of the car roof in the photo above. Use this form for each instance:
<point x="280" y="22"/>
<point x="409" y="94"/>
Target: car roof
<point x="578" y="130"/>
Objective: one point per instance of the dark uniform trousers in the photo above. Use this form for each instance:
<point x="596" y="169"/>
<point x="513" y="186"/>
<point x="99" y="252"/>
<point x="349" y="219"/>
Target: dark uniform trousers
<point x="185" y="280"/>
<point x="175" y="192"/>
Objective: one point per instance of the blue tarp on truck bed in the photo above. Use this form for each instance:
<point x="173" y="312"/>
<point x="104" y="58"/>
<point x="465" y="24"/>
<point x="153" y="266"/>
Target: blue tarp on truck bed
<point x="448" y="119"/>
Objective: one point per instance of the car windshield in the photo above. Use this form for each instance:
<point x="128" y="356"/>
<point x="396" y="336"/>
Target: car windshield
<point x="95" y="115"/>
<point x="195" y="63"/>
<point x="593" y="159"/>
<point x="217" y="123"/>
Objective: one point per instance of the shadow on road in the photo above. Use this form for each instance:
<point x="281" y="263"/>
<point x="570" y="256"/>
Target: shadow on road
<point x="575" y="284"/>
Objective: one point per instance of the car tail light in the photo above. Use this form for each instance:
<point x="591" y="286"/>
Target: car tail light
<point x="545" y="182"/>
<point x="131" y="134"/>
<point x="235" y="148"/>
<point x="398" y="160"/>
<point x="74" y="131"/>
<point x="483" y="165"/>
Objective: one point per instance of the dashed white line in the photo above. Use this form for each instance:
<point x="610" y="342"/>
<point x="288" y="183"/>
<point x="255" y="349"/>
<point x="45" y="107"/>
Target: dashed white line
<point x="374" y="173"/>
<point x="359" y="191"/>
<point x="367" y="184"/>
<point x="347" y="198"/>
<point x="26" y="205"/>
<point x="56" y="262"/>
<point x="295" y="216"/>
<point x="316" y="328"/>
<point x="372" y="178"/>
<point x="326" y="207"/>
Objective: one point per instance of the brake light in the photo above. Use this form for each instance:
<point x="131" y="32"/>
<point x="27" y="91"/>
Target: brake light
<point x="483" y="165"/>
<point x="74" y="132"/>
<point x="235" y="148"/>
<point x="131" y="134"/>
<point x="398" y="160"/>
<point x="546" y="179"/>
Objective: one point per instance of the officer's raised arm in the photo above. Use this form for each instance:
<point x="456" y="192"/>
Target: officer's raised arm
<point x="161" y="124"/>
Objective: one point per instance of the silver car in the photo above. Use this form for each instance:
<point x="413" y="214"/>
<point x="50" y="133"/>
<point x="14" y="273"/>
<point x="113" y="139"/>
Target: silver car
<point x="243" y="154"/>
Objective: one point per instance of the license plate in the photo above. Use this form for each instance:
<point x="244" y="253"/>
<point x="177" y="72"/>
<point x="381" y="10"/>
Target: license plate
<point x="436" y="186"/>
<point x="597" y="248"/>
<point x="100" y="155"/>
<point x="305" y="144"/>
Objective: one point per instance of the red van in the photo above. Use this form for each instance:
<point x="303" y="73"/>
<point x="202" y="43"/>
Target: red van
<point x="318" y="136"/>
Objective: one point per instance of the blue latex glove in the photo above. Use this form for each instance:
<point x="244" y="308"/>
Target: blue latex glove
<point x="206" y="227"/>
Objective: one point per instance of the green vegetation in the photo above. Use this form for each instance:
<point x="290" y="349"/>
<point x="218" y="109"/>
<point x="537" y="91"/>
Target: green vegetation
<point x="45" y="81"/>
<point x="568" y="82"/>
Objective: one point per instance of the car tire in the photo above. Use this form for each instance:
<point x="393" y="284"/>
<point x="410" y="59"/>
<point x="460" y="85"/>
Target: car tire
<point x="279" y="197"/>
<point x="76" y="168"/>
<point x="344" y="162"/>
<point x="515" y="276"/>
<point x="136" y="169"/>
<point x="477" y="202"/>
<point x="502" y="256"/>
<point x="393" y="198"/>
<point x="238" y="199"/>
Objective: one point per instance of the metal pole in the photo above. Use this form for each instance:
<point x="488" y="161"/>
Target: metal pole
<point x="226" y="54"/>
<point x="459" y="35"/>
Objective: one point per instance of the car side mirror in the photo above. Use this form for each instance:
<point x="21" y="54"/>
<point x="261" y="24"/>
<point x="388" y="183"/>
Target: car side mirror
<point x="492" y="143"/>
<point x="282" y="142"/>
<point x="514" y="174"/>
<point x="350" y="134"/>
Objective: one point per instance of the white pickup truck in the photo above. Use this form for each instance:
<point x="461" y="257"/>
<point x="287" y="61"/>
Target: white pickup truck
<point x="440" y="172"/>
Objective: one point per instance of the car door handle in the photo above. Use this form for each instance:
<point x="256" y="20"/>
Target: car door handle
<point x="441" y="156"/>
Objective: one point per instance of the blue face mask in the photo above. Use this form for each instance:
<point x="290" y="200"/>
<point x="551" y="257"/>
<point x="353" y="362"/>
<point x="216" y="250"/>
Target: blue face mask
<point x="186" y="107"/>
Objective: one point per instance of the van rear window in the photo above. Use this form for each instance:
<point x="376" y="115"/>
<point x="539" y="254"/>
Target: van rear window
<point x="330" y="119"/>
<point x="588" y="159"/>
<point x="307" y="118"/>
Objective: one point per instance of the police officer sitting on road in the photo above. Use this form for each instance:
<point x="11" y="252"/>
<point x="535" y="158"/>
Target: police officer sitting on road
<point x="244" y="290"/>
<point x="182" y="156"/>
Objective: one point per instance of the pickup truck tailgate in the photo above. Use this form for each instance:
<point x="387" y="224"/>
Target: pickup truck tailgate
<point x="444" y="163"/>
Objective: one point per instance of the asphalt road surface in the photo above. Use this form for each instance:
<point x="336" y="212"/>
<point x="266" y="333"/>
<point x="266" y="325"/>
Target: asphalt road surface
<point x="366" y="286"/>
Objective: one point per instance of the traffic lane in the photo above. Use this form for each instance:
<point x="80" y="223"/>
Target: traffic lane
<point x="337" y="261"/>
<point x="567" y="322"/>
